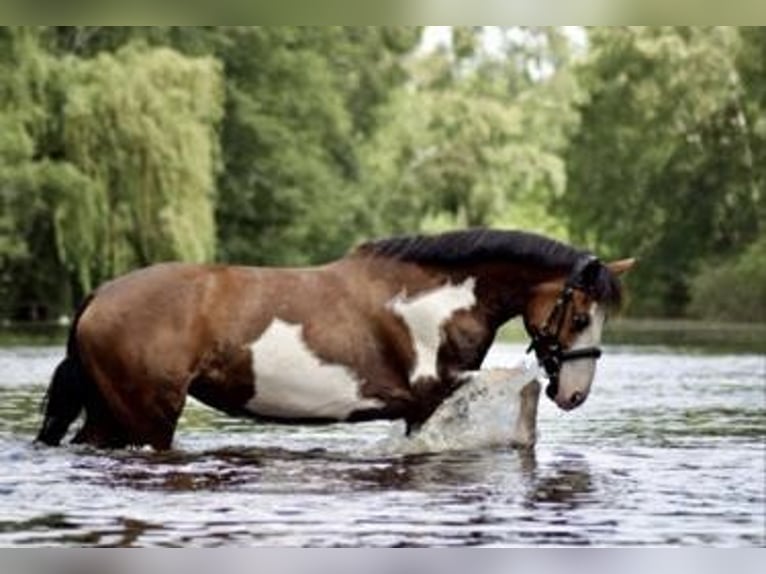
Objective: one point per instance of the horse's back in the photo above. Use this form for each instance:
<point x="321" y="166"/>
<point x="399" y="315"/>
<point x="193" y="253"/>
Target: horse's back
<point x="176" y="312"/>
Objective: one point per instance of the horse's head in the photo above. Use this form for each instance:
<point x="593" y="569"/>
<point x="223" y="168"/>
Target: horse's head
<point x="565" y="318"/>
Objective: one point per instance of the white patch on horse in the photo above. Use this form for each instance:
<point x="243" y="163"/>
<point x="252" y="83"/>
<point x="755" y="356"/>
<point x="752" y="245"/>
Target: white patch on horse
<point x="425" y="315"/>
<point x="591" y="335"/>
<point x="292" y="382"/>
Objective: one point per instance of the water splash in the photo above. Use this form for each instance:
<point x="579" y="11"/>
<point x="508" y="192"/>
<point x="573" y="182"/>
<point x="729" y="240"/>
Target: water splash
<point x="497" y="407"/>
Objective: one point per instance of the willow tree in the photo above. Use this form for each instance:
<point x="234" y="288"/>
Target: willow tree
<point x="298" y="102"/>
<point x="106" y="163"/>
<point x="141" y="123"/>
<point x="33" y="179"/>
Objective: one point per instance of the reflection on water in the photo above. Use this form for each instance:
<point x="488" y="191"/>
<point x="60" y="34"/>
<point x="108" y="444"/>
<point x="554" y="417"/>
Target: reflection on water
<point x="669" y="449"/>
<point x="565" y="486"/>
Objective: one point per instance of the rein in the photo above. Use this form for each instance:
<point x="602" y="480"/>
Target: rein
<point x="545" y="341"/>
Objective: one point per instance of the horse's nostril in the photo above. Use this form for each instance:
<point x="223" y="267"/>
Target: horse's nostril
<point x="551" y="391"/>
<point x="576" y="398"/>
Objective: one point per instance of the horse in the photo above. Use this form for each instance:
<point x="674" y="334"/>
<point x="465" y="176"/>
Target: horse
<point x="388" y="331"/>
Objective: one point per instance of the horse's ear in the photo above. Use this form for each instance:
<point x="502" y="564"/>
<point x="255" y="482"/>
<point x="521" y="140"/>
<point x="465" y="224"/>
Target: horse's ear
<point x="621" y="266"/>
<point x="590" y="272"/>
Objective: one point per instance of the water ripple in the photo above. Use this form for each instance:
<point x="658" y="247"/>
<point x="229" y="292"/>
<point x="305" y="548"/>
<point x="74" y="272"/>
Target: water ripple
<point x="668" y="450"/>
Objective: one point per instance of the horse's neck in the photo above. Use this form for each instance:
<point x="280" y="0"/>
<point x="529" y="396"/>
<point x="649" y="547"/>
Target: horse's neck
<point x="388" y="278"/>
<point x="503" y="291"/>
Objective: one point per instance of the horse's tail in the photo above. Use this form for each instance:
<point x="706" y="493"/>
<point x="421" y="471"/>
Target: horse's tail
<point x="68" y="388"/>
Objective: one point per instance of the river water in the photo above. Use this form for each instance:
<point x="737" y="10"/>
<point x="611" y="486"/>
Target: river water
<point x="668" y="450"/>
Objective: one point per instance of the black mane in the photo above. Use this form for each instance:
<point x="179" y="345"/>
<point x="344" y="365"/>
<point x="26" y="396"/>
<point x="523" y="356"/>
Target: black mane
<point x="475" y="246"/>
<point x="472" y="246"/>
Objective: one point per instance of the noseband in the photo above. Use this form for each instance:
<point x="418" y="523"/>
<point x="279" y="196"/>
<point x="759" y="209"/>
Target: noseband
<point x="546" y="342"/>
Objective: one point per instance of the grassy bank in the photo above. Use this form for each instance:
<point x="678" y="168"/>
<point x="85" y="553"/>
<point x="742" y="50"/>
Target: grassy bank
<point x="32" y="334"/>
<point x="707" y="335"/>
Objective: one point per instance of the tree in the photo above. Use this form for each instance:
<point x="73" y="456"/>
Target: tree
<point x="29" y="265"/>
<point x="142" y="123"/>
<point x="115" y="169"/>
<point x="299" y="103"/>
<point x="733" y="289"/>
<point x="661" y="166"/>
<point x="474" y="140"/>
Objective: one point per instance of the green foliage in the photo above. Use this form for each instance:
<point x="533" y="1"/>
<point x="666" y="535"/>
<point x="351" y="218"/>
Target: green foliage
<point x="299" y="102"/>
<point x="662" y="166"/>
<point x="733" y="290"/>
<point x="57" y="199"/>
<point x="121" y="146"/>
<point x="107" y="163"/>
<point x="141" y="124"/>
<point x="25" y="223"/>
<point x="459" y="159"/>
<point x="285" y="132"/>
<point x="462" y="147"/>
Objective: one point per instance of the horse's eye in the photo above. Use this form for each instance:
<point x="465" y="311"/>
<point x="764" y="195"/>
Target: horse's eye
<point x="580" y="322"/>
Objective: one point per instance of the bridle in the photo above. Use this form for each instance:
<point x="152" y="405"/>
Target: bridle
<point x="545" y="340"/>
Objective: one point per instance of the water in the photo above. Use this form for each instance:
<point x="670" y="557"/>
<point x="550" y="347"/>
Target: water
<point x="668" y="450"/>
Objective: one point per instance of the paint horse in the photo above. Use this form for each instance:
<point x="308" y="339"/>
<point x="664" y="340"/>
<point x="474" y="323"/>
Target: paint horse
<point x="387" y="332"/>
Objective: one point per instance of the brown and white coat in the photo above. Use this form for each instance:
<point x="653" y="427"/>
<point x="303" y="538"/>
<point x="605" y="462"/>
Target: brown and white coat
<point x="388" y="331"/>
